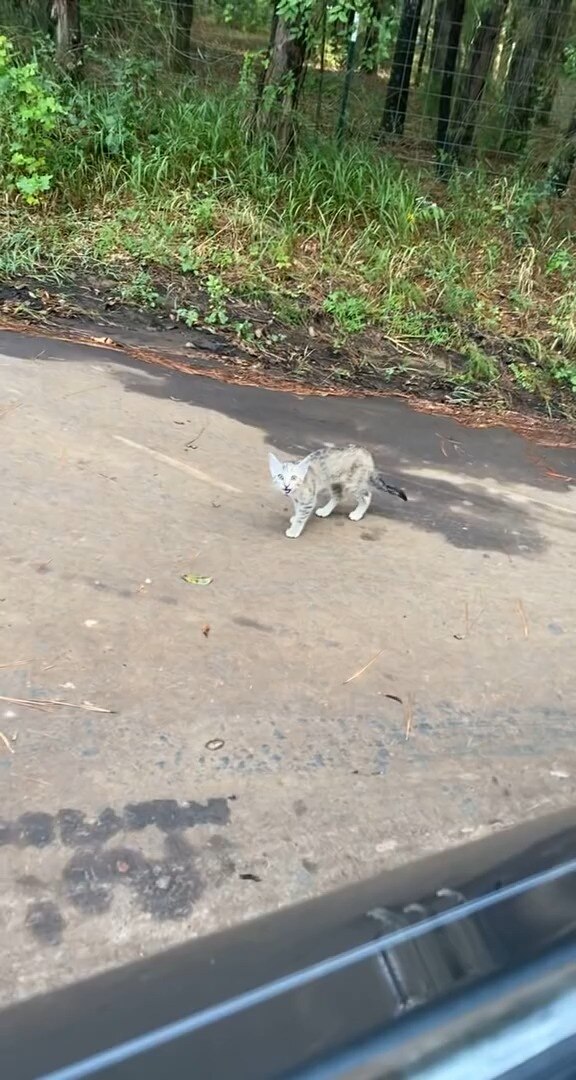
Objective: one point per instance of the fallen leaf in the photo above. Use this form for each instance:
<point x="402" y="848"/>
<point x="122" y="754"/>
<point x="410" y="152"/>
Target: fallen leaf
<point x="195" y="579"/>
<point x="206" y="630"/>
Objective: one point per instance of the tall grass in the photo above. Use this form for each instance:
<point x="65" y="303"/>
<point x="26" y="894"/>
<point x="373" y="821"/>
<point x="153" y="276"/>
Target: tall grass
<point x="162" y="174"/>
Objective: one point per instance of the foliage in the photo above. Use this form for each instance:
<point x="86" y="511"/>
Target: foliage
<point x="140" y="173"/>
<point x="30" y="108"/>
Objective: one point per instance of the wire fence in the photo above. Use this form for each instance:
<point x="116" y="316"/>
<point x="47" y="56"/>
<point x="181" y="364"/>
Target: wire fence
<point x="433" y="82"/>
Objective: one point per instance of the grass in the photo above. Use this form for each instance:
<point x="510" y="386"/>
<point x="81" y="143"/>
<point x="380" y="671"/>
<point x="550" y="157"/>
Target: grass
<point x="152" y="182"/>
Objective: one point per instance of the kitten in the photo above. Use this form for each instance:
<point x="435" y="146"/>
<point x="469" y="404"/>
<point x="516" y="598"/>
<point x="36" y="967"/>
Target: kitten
<point x="337" y="471"/>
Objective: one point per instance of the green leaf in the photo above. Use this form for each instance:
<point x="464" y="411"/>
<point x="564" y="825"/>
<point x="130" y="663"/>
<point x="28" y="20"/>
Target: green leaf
<point x="194" y="579"/>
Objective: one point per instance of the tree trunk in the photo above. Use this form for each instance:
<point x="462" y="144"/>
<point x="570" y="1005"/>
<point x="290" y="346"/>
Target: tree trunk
<point x="550" y="60"/>
<point x="521" y="90"/>
<point x="473" y="83"/>
<point x="562" y="167"/>
<point x="396" y="104"/>
<point x="424" y="44"/>
<point x="66" y="16"/>
<point x="455" y="11"/>
<point x="182" y="16"/>
<point x="262" y="72"/>
<point x="437" y="54"/>
<point x="283" y="80"/>
<point x="439" y="39"/>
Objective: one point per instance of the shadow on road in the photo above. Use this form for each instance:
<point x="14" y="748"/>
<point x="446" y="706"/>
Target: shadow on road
<point x="452" y="501"/>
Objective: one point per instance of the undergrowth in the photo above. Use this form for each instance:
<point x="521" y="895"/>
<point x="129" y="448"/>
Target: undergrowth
<point x="131" y="176"/>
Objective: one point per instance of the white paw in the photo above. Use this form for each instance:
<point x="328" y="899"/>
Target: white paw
<point x="357" y="514"/>
<point x="293" y="533"/>
<point x="323" y="511"/>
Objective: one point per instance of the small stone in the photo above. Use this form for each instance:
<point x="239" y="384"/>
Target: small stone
<point x="215" y="744"/>
<point x="163" y="883"/>
<point x="386" y="845"/>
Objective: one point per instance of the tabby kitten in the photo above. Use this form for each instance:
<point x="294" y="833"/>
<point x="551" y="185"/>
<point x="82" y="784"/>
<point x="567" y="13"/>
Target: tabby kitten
<point x="339" y="472"/>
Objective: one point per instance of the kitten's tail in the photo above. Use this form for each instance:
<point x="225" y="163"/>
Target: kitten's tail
<point x="378" y="481"/>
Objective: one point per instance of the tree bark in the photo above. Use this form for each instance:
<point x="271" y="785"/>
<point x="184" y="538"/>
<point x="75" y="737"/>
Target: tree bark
<point x="276" y="110"/>
<point x="437" y="53"/>
<point x="66" y="17"/>
<point x="396" y="104"/>
<point x="424" y="43"/>
<point x="439" y="40"/>
<point x="473" y="82"/>
<point x="521" y="91"/>
<point x="556" y="32"/>
<point x="455" y="9"/>
<point x="562" y="167"/>
<point x="183" y="14"/>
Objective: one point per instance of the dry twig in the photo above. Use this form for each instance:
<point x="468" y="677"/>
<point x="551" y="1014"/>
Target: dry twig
<point x="46" y="703"/>
<point x="365" y="668"/>
<point x="523" y="616"/>
<point x="408" y="716"/>
<point x="4" y="738"/>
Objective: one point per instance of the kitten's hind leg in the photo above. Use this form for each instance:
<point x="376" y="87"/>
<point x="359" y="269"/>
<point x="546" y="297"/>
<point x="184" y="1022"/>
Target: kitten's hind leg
<point x="364" y="500"/>
<point x="336" y="495"/>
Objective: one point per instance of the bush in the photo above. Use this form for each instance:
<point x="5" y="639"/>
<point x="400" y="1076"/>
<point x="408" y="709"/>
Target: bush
<point x="29" y="112"/>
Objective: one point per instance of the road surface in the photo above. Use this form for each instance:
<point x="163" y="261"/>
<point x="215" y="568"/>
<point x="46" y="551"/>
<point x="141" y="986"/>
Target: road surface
<point x="241" y="767"/>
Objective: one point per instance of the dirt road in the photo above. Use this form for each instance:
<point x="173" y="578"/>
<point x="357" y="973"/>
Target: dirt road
<point x="239" y="767"/>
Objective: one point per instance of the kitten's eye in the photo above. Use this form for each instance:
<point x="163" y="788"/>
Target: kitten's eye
<point x="294" y="478"/>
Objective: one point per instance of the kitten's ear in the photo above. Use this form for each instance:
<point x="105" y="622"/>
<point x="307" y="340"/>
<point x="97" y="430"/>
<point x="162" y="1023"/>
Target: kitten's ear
<point x="274" y="465"/>
<point x="301" y="468"/>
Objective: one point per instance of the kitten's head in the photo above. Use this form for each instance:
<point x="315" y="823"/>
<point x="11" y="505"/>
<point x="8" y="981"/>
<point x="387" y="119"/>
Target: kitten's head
<point x="287" y="475"/>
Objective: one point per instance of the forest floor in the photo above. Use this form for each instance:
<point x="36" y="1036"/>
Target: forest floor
<point x="279" y="355"/>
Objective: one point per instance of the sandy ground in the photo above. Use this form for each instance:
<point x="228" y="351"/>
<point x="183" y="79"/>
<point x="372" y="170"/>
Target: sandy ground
<point x="239" y="768"/>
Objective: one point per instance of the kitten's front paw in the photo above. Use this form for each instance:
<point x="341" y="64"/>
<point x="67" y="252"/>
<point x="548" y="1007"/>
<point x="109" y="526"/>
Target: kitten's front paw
<point x="293" y="532"/>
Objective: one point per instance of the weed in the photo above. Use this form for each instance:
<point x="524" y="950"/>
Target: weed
<point x="565" y="374"/>
<point x="564" y="323"/>
<point x="244" y="328"/>
<point x="189" y="262"/>
<point x="289" y="311"/>
<point x="529" y="378"/>
<point x="140" y="291"/>
<point x="562" y="261"/>
<point x="217" y="314"/>
<point x="29" y="110"/>
<point x="350" y="313"/>
<point x="478" y="367"/>
<point x="190" y="316"/>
